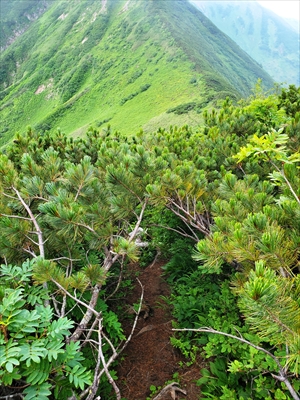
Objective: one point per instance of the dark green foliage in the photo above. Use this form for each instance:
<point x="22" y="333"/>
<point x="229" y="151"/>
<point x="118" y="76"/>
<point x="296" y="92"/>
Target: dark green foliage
<point x="135" y="76"/>
<point x="289" y="99"/>
<point x="145" y="87"/>
<point x="132" y="95"/>
<point x="183" y="108"/>
<point x="181" y="261"/>
<point x="77" y="79"/>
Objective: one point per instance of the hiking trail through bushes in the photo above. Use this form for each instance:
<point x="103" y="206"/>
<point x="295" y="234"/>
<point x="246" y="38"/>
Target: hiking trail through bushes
<point x="150" y="359"/>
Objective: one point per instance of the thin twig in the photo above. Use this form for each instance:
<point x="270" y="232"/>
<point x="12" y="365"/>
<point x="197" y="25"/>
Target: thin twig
<point x="105" y="367"/>
<point x="119" y="349"/>
<point x="119" y="279"/>
<point x="75" y="298"/>
<point x="15" y="216"/>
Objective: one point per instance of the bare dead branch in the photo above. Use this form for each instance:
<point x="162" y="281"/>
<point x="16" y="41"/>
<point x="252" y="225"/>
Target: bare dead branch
<point x="138" y="223"/>
<point x="105" y="367"/>
<point x="286" y="181"/>
<point x="90" y="331"/>
<point x="136" y="317"/>
<point x="87" y="227"/>
<point x="55" y="304"/>
<point x="33" y="241"/>
<point x="94" y="387"/>
<point x="119" y="349"/>
<point x="158" y="253"/>
<point x="180" y="232"/>
<point x="34" y="221"/>
<point x="172" y="388"/>
<point x="196" y="221"/>
<point x="32" y="253"/>
<point x="87" y="315"/>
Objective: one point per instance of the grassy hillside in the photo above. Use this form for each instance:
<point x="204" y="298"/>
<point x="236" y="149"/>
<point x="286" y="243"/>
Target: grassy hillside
<point x="269" y="39"/>
<point x="16" y="16"/>
<point x="126" y="63"/>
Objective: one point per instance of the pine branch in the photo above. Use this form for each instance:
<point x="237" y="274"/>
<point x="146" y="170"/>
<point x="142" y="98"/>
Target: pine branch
<point x="113" y="176"/>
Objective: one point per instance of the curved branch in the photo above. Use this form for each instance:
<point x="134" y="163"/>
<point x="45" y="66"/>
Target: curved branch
<point x="34" y="221"/>
<point x="286" y="181"/>
<point x="282" y="377"/>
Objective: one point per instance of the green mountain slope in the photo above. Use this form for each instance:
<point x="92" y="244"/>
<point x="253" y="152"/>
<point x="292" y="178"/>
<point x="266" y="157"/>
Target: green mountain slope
<point x="123" y="62"/>
<point x="16" y="16"/>
<point x="269" y="39"/>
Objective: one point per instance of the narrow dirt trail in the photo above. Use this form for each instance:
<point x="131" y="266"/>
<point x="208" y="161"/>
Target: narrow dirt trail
<point x="149" y="358"/>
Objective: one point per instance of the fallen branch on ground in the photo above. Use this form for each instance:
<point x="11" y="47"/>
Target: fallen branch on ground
<point x="172" y="388"/>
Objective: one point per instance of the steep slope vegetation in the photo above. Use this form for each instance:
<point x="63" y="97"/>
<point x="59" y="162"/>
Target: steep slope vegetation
<point x="16" y="17"/>
<point x="269" y="39"/>
<point x="122" y="62"/>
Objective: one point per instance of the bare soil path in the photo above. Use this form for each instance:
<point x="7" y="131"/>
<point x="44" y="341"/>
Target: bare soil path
<point x="149" y="358"/>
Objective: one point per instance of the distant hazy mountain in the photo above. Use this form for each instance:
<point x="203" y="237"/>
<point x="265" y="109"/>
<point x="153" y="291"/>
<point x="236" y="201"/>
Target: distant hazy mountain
<point x="294" y="23"/>
<point x="134" y="63"/>
<point x="268" y="38"/>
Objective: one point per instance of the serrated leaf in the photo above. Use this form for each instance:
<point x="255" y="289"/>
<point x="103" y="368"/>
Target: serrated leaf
<point x="60" y="328"/>
<point x="79" y="376"/>
<point x="33" y="352"/>
<point x="54" y="348"/>
<point x="40" y="392"/>
<point x="38" y="373"/>
<point x="8" y="354"/>
<point x="8" y="378"/>
<point x="25" y="321"/>
<point x="45" y="314"/>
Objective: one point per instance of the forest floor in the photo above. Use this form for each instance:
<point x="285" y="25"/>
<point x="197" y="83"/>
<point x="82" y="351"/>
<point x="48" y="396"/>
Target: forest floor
<point x="150" y="359"/>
